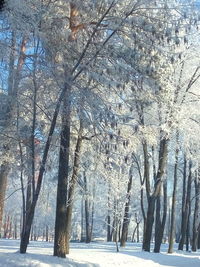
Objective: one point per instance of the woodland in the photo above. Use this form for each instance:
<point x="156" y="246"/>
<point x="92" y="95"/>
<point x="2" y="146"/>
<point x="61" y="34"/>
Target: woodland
<point x="100" y="123"/>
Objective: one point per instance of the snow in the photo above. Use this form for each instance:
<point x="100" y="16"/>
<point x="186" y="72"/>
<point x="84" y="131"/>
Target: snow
<point x="96" y="254"/>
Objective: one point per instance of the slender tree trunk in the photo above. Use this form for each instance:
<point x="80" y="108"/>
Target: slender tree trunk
<point x="133" y="235"/>
<point x="82" y="220"/>
<point x="138" y="232"/>
<point x="87" y="212"/>
<point x="186" y="211"/>
<point x="173" y="210"/>
<point x="47" y="233"/>
<point x="160" y="225"/>
<point x="126" y="219"/>
<point x="109" y="232"/>
<point x="198" y="242"/>
<point x="196" y="211"/>
<point x="188" y="223"/>
<point x="92" y="215"/>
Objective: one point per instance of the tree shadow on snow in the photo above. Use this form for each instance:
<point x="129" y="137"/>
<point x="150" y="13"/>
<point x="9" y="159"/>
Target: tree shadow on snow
<point x="38" y="260"/>
<point x="177" y="259"/>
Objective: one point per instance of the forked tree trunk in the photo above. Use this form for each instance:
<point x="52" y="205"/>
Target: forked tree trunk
<point x="153" y="196"/>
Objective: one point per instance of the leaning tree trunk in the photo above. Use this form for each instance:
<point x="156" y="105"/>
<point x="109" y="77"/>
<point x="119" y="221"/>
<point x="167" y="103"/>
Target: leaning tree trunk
<point x="126" y="219"/>
<point x="196" y="212"/>
<point x="173" y="210"/>
<point x="27" y="227"/>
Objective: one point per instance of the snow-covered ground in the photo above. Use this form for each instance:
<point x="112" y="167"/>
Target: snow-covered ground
<point x="97" y="254"/>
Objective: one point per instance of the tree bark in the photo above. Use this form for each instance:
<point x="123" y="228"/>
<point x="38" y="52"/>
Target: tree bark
<point x="160" y="224"/>
<point x="152" y="198"/>
<point x="60" y="248"/>
<point x="4" y="171"/>
<point x="196" y="212"/>
<point x="173" y="210"/>
<point x="72" y="186"/>
<point x="87" y="212"/>
<point x="126" y="219"/>
<point x="186" y="211"/>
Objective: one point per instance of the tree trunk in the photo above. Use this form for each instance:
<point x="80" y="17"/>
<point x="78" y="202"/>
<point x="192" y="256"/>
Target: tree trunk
<point x="196" y="212"/>
<point x="126" y="219"/>
<point x="72" y="187"/>
<point x="82" y="220"/>
<point x="60" y="248"/>
<point x="47" y="233"/>
<point x="198" y="242"/>
<point x="109" y="232"/>
<point x="186" y="210"/>
<point x="160" y="225"/>
<point x="4" y="171"/>
<point x="133" y="235"/>
<point x="87" y="212"/>
<point x="152" y="198"/>
<point x="149" y="223"/>
<point x="138" y="232"/>
<point x="173" y="210"/>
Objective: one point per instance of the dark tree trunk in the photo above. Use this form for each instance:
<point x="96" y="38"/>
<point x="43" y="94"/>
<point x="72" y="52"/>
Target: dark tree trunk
<point x="149" y="223"/>
<point x="186" y="210"/>
<point x="87" y="212"/>
<point x="173" y="211"/>
<point x="126" y="219"/>
<point x="160" y="225"/>
<point x="196" y="212"/>
<point x="47" y="233"/>
<point x="152" y="198"/>
<point x="82" y="220"/>
<point x="72" y="186"/>
<point x="60" y="248"/>
<point x="188" y="222"/>
<point x="198" y="242"/>
<point x="138" y="232"/>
